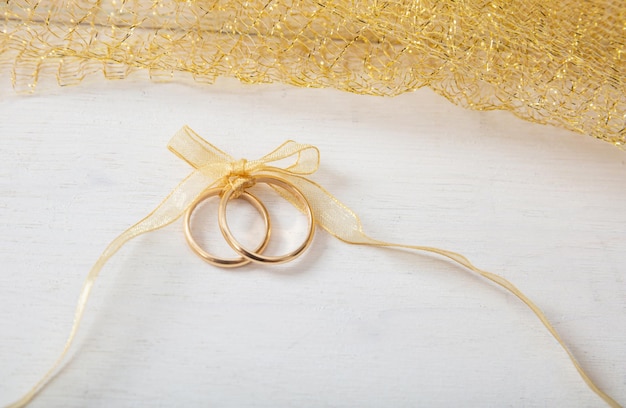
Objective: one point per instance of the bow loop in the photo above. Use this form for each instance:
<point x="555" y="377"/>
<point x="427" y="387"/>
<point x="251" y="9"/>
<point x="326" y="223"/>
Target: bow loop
<point x="192" y="148"/>
<point x="307" y="157"/>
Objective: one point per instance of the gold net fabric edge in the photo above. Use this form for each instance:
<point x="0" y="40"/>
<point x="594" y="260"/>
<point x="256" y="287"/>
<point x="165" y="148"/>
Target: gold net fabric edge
<point x="556" y="63"/>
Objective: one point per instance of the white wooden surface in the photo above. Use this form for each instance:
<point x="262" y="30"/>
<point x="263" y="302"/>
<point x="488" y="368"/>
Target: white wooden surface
<point x="343" y="326"/>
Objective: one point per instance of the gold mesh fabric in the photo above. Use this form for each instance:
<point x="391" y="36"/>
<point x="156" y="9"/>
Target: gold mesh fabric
<point x="548" y="61"/>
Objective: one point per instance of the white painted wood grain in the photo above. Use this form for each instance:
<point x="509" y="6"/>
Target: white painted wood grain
<point x="343" y="326"/>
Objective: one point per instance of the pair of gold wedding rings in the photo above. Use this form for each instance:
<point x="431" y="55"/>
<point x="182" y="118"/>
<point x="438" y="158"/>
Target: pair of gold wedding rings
<point x="245" y="255"/>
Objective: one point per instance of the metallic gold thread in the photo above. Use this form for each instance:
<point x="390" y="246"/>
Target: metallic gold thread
<point x="554" y="62"/>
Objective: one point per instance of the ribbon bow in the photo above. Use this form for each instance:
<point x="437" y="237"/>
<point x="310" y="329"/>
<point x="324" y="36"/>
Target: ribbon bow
<point x="217" y="167"/>
<point x="214" y="168"/>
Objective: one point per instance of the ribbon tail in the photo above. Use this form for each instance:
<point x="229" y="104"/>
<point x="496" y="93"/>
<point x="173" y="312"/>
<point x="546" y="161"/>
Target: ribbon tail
<point x="507" y="285"/>
<point x="341" y="222"/>
<point x="168" y="211"/>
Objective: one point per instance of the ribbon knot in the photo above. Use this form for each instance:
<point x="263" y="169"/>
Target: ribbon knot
<point x="238" y="179"/>
<point x="238" y="168"/>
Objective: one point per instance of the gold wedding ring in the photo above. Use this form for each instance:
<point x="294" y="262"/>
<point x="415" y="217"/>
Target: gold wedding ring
<point x="223" y="262"/>
<point x="256" y="255"/>
<point x="247" y="256"/>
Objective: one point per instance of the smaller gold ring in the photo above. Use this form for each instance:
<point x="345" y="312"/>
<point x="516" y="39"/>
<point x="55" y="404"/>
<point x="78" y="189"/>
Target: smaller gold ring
<point x="256" y="255"/>
<point x="223" y="262"/>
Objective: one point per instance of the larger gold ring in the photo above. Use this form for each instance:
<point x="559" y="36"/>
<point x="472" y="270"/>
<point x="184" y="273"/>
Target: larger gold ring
<point x="256" y="255"/>
<point x="222" y="262"/>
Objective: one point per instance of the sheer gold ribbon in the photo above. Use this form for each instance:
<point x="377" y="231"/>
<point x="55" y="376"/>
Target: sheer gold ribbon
<point x="214" y="168"/>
